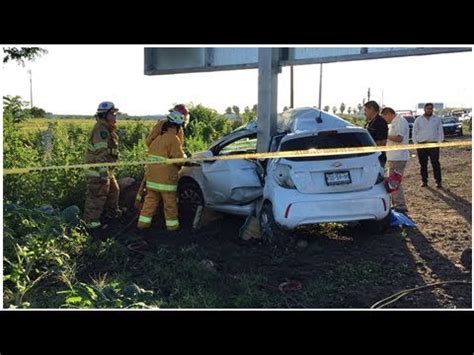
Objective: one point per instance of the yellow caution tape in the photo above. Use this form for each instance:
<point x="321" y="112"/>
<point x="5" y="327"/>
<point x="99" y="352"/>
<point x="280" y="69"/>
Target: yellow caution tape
<point x="268" y="155"/>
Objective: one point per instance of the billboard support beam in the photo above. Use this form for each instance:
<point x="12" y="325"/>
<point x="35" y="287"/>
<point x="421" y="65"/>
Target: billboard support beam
<point x="268" y="70"/>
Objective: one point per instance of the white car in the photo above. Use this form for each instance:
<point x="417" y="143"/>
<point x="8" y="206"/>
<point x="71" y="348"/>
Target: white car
<point x="290" y="192"/>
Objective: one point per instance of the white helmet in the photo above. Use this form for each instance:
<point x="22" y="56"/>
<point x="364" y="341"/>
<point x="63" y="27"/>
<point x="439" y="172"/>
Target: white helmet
<point x="175" y="117"/>
<point x="106" y="106"/>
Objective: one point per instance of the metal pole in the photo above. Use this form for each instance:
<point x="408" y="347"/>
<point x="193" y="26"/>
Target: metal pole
<point x="368" y="95"/>
<point x="267" y="96"/>
<point x="31" y="89"/>
<point x="320" y="84"/>
<point x="292" y="88"/>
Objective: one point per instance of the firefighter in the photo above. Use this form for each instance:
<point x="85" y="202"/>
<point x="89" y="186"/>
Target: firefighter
<point x="162" y="179"/>
<point x="155" y="132"/>
<point x="102" y="193"/>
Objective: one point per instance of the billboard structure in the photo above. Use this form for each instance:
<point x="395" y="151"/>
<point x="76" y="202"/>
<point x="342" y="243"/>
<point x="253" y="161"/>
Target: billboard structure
<point x="159" y="61"/>
<point x="174" y="60"/>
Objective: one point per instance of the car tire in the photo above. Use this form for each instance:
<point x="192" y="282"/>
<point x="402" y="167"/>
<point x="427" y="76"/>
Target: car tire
<point x="190" y="197"/>
<point x="270" y="231"/>
<point x="376" y="227"/>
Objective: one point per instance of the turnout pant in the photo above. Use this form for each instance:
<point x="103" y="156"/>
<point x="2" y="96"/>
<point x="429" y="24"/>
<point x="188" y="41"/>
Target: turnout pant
<point x="152" y="199"/>
<point x="102" y="194"/>
<point x="433" y="155"/>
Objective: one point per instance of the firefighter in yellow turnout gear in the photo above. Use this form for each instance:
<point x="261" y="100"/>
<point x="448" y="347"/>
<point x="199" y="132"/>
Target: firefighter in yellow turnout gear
<point x="155" y="132"/>
<point x="102" y="187"/>
<point x="162" y="179"/>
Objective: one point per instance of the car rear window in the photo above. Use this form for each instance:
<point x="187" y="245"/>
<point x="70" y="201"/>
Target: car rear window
<point x="326" y="140"/>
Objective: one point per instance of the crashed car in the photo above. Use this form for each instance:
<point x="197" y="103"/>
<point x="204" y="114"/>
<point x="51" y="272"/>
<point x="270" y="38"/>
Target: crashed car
<point x="290" y="192"/>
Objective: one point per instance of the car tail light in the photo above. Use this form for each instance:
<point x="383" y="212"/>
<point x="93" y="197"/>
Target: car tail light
<point x="283" y="177"/>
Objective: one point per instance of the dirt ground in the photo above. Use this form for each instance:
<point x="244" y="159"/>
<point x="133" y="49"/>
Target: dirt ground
<point x="336" y="266"/>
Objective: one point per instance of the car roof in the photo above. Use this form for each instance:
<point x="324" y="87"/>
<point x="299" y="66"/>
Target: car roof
<point x="306" y="119"/>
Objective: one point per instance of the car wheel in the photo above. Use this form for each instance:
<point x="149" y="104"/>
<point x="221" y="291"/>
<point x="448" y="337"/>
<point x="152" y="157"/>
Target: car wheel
<point x="460" y="133"/>
<point x="190" y="198"/>
<point x="270" y="231"/>
<point x="376" y="227"/>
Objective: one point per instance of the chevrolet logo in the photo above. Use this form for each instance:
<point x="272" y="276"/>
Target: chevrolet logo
<point x="337" y="164"/>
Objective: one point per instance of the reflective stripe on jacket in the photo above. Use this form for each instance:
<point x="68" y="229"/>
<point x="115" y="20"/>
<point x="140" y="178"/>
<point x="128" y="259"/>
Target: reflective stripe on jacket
<point x="164" y="177"/>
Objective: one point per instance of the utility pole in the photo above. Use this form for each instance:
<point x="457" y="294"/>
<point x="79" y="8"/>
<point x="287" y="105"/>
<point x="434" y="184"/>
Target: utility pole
<point x="292" y="90"/>
<point x="31" y="89"/>
<point x="368" y="95"/>
<point x="382" y="98"/>
<point x="320" y="84"/>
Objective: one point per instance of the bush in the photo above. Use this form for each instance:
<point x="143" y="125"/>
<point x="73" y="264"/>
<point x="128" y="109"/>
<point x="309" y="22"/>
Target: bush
<point x="37" y="245"/>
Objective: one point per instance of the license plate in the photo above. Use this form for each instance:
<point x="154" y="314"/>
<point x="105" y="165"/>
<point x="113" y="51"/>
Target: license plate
<point x="338" y="178"/>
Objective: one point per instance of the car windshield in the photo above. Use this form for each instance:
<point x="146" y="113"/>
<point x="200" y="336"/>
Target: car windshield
<point x="449" y="120"/>
<point x="332" y="139"/>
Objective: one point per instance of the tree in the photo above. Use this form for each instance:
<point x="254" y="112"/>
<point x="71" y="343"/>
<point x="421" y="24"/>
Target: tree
<point x="21" y="54"/>
<point x="349" y="110"/>
<point x="255" y="108"/>
<point x="342" y="107"/>
<point x="247" y="109"/>
<point x="15" y="109"/>
<point x="248" y="116"/>
<point x="206" y="124"/>
<point x="334" y="109"/>
<point x="228" y="110"/>
<point x="359" y="107"/>
<point x="285" y="108"/>
<point x="326" y="108"/>
<point x="236" y="110"/>
<point x="37" y="112"/>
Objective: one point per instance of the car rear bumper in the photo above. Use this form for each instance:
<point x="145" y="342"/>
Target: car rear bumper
<point x="293" y="209"/>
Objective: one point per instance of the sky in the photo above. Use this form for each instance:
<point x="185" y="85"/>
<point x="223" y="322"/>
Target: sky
<point x="74" y="79"/>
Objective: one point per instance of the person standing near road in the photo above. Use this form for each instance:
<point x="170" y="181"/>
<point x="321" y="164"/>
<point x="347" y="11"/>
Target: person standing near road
<point x="428" y="128"/>
<point x="398" y="134"/>
<point x="376" y="126"/>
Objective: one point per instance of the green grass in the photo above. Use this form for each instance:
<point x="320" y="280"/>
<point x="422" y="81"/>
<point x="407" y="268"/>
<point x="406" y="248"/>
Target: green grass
<point x="43" y="123"/>
<point x="211" y="273"/>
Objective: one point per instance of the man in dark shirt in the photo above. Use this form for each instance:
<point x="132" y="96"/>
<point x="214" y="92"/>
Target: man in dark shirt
<point x="376" y="126"/>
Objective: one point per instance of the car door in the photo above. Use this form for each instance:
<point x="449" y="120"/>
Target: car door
<point x="233" y="181"/>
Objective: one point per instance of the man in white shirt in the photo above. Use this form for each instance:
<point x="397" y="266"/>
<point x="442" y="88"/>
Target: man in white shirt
<point x="398" y="134"/>
<point x="428" y="128"/>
